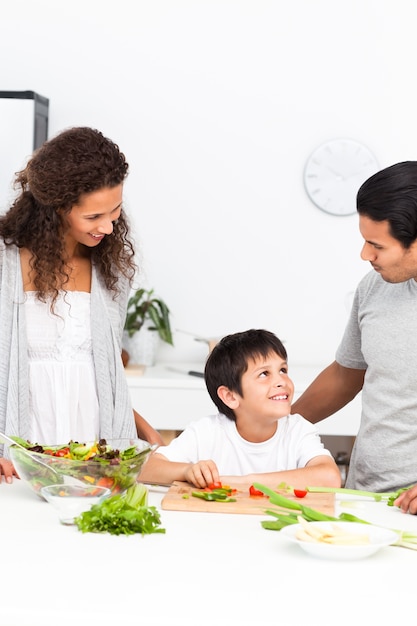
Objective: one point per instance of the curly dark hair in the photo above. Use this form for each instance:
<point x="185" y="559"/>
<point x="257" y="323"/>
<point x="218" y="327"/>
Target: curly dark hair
<point x="75" y="162"/>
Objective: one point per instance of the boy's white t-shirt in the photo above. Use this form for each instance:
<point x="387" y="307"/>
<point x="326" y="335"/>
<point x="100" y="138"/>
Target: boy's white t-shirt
<point x="295" y="442"/>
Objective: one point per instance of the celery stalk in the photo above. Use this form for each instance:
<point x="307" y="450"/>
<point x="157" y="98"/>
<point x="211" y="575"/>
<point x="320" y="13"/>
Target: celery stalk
<point x="389" y="496"/>
<point x="405" y="539"/>
<point x="354" y="492"/>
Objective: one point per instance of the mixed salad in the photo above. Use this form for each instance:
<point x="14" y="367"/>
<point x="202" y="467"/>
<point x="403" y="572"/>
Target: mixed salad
<point x="97" y="463"/>
<point x="93" y="451"/>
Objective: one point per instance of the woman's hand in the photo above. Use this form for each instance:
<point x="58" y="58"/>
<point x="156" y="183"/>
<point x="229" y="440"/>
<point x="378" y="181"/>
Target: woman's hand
<point x="7" y="470"/>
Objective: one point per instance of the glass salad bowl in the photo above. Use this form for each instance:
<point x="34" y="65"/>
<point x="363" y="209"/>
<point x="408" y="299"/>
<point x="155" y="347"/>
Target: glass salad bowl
<point x="112" y="463"/>
<point x="70" y="501"/>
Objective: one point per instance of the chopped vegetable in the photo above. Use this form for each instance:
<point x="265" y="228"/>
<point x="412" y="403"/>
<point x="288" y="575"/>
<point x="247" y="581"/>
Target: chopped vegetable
<point x="405" y="539"/>
<point x="105" y="481"/>
<point x="222" y="494"/>
<point x="255" y="492"/>
<point x="215" y="485"/>
<point x="300" y="493"/>
<point x="122" y="514"/>
<point x="286" y="503"/>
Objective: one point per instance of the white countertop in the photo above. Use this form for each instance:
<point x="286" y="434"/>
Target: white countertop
<point x="208" y="568"/>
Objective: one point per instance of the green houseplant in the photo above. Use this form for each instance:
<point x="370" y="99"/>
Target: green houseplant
<point x="145" y="309"/>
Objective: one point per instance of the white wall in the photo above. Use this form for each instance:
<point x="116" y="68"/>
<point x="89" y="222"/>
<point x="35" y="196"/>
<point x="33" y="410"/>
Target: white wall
<point x="217" y="105"/>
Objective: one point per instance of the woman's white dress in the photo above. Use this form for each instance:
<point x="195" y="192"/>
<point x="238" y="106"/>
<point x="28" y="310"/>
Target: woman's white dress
<point x="63" y="399"/>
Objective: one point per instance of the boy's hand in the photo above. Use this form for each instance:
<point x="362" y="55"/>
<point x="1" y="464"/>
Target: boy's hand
<point x="202" y="474"/>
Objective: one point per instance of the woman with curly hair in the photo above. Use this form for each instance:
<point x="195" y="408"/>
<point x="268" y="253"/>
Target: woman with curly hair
<point x="66" y="269"/>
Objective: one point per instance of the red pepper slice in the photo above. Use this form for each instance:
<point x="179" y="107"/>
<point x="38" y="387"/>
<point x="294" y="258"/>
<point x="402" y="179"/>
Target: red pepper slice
<point x="105" y="481"/>
<point x="300" y="493"/>
<point x="255" y="492"/>
<point x="215" y="485"/>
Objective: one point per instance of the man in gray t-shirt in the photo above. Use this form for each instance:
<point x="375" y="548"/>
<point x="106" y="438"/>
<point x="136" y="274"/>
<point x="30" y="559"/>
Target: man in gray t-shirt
<point x="378" y="352"/>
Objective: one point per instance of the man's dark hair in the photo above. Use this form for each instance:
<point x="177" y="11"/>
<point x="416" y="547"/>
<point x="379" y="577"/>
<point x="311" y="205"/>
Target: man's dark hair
<point x="391" y="195"/>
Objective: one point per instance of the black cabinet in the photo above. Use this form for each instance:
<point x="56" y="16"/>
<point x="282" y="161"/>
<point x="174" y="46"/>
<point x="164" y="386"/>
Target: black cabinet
<point x="24" y="117"/>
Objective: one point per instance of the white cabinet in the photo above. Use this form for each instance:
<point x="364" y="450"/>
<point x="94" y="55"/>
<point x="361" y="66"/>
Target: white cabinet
<point x="170" y="400"/>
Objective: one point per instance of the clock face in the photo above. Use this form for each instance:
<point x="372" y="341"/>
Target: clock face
<point x="335" y="171"/>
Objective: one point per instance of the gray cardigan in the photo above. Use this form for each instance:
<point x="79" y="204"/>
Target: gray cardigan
<point x="107" y="321"/>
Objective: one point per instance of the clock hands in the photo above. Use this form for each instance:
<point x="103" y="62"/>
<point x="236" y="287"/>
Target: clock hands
<point x="357" y="173"/>
<point x="337" y="174"/>
<point x="342" y="177"/>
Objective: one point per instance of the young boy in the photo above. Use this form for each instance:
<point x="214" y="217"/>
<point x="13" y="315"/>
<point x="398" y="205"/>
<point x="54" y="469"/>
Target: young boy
<point x="253" y="438"/>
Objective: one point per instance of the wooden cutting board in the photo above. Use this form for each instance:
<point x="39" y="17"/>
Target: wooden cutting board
<point x="174" y="500"/>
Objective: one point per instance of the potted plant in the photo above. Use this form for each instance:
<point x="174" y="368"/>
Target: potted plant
<point x="147" y="321"/>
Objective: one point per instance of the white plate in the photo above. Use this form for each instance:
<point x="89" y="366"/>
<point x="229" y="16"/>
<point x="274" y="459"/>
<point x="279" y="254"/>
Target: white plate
<point x="378" y="538"/>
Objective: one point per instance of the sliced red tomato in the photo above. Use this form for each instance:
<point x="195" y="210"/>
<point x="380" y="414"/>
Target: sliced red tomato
<point x="215" y="485"/>
<point x="61" y="452"/>
<point x="300" y="493"/>
<point x="255" y="492"/>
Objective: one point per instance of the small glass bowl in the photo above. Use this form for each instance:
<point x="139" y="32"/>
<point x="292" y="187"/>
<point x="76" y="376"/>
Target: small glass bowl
<point x="72" y="500"/>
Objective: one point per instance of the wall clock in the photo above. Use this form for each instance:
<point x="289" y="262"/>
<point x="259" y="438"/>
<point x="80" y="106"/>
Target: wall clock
<point x="335" y="171"/>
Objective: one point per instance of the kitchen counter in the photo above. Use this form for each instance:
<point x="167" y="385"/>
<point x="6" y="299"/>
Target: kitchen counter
<point x="169" y="400"/>
<point x="208" y="568"/>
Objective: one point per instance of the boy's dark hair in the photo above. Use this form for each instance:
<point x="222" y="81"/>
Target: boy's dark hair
<point x="229" y="361"/>
<point x="391" y="195"/>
